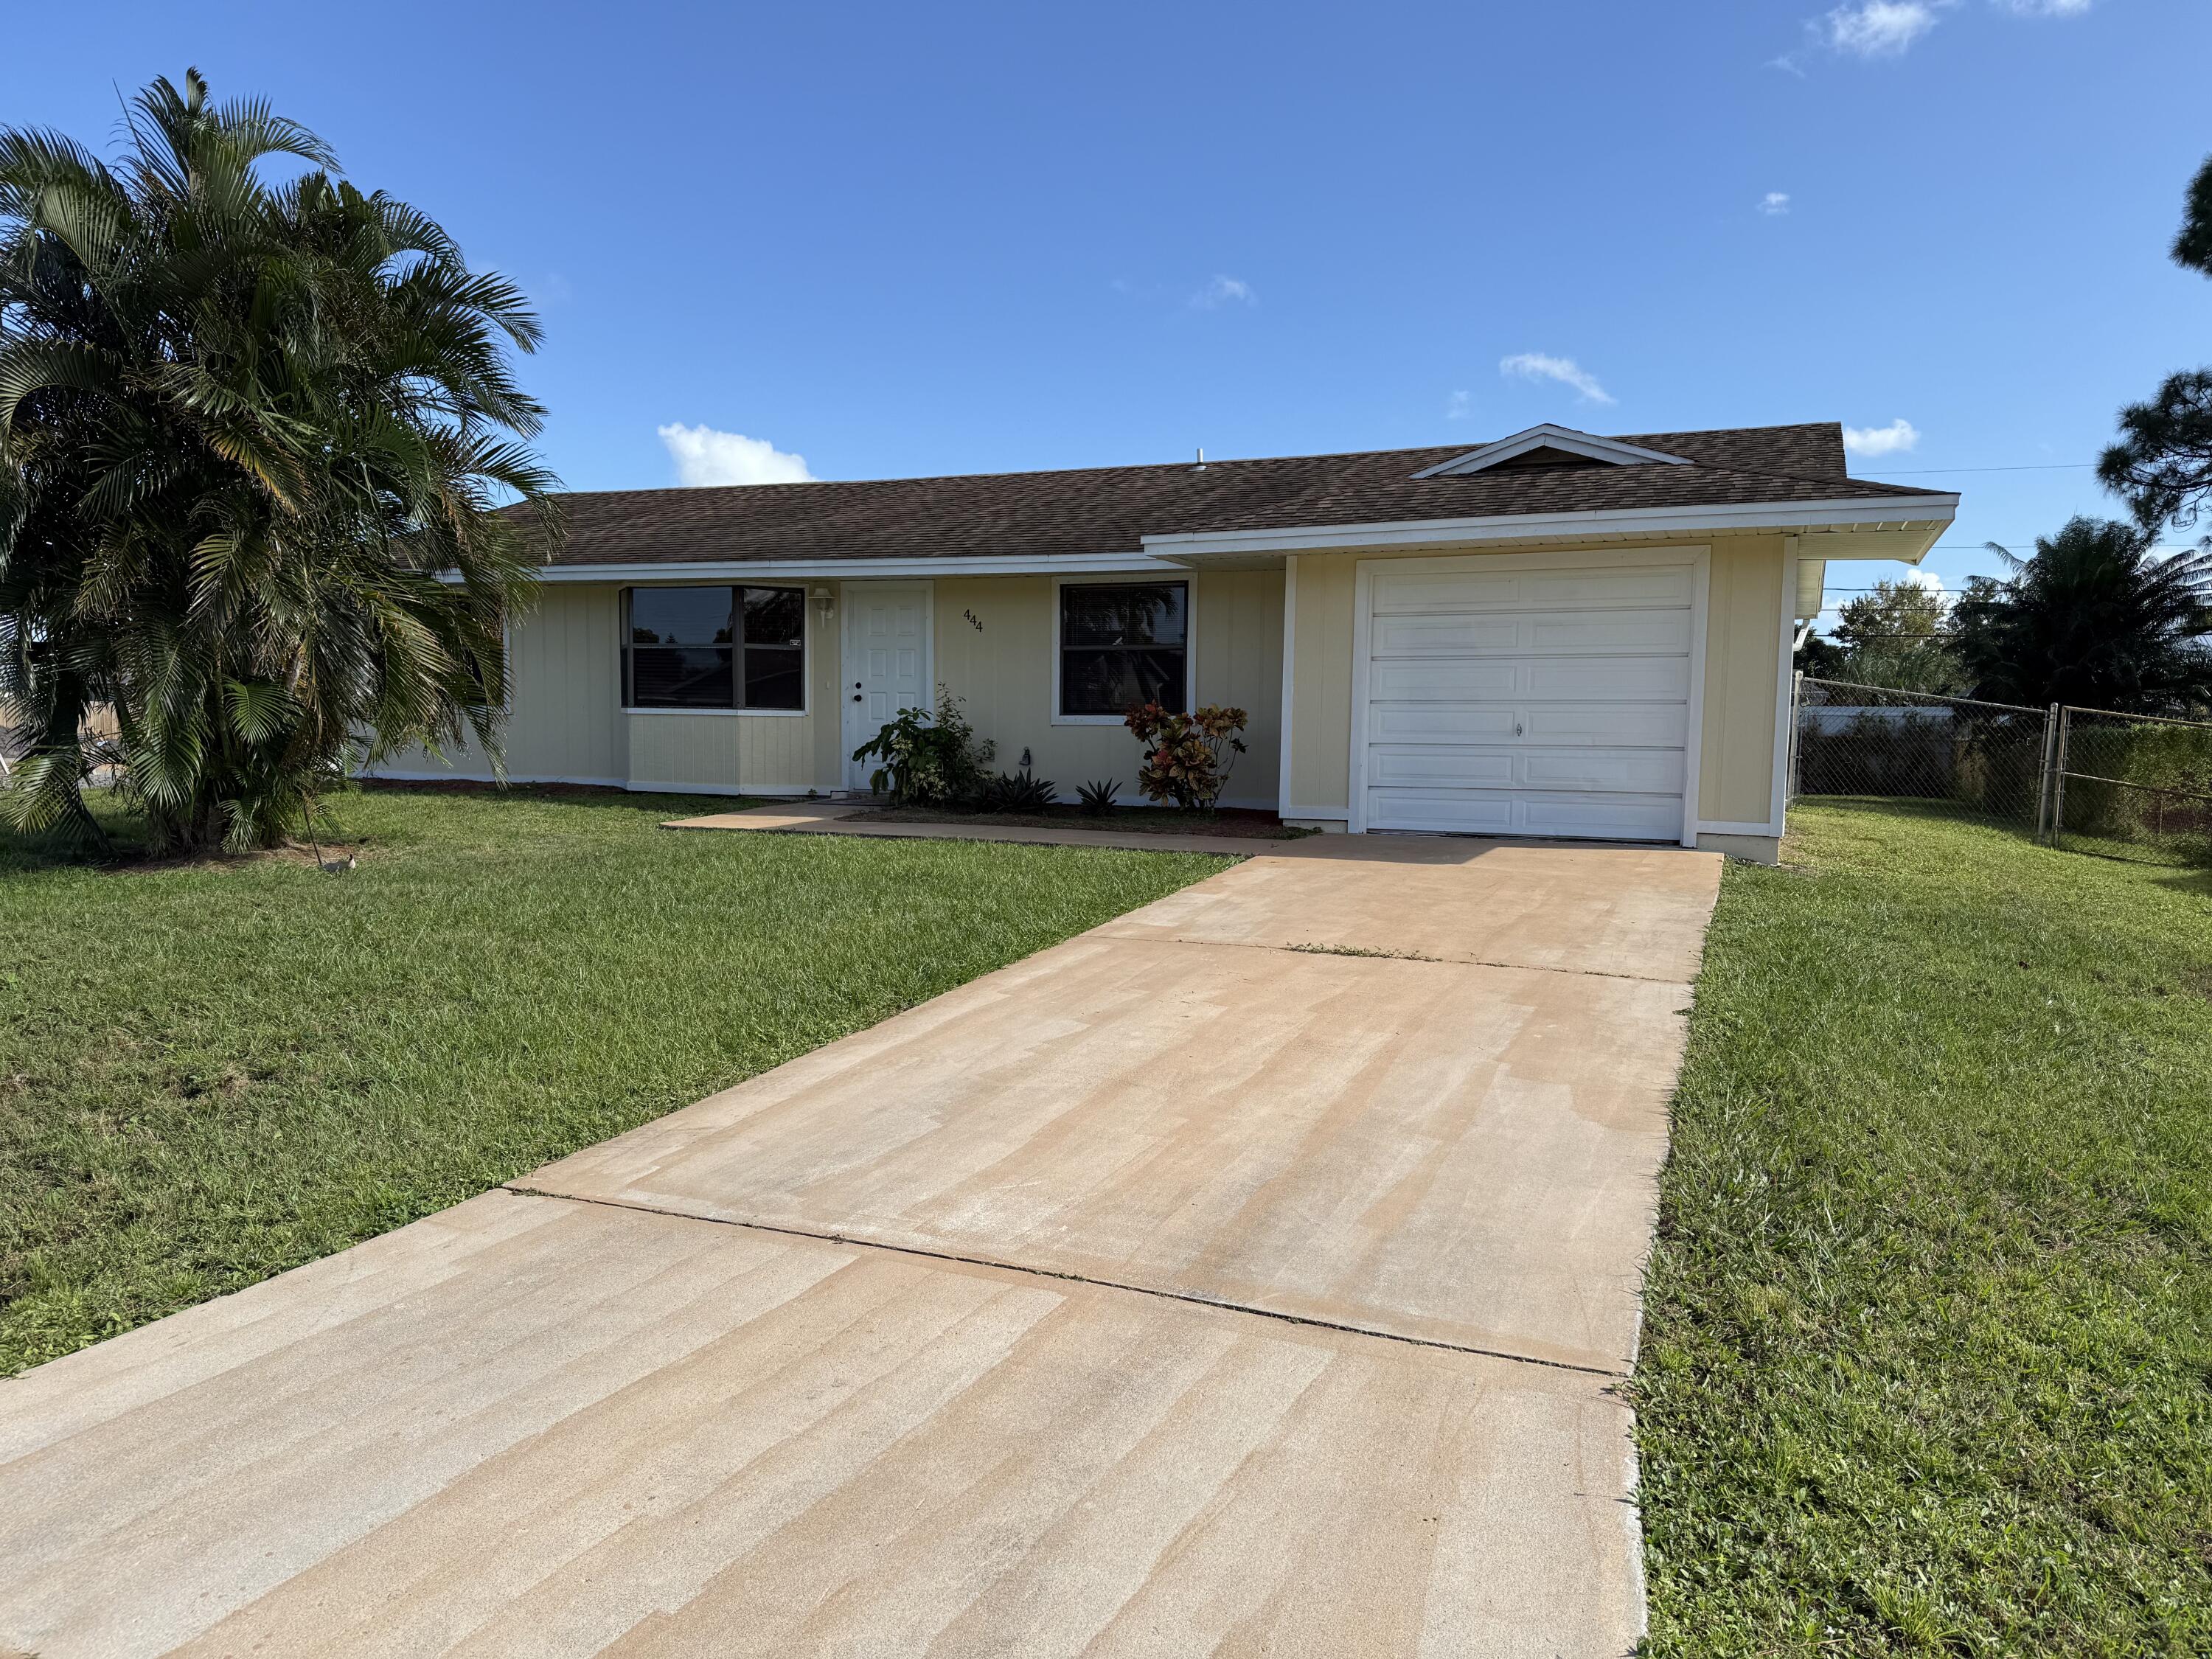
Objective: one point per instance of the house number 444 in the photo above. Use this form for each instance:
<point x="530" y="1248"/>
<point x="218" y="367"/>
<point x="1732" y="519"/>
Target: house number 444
<point x="973" y="620"/>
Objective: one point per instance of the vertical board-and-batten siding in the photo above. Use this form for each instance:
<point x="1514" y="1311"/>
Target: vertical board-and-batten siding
<point x="993" y="645"/>
<point x="568" y="722"/>
<point x="1743" y="644"/>
<point x="565" y="672"/>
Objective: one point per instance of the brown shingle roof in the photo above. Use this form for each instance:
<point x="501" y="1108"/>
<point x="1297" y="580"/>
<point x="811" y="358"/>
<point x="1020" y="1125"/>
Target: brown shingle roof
<point x="1110" y="509"/>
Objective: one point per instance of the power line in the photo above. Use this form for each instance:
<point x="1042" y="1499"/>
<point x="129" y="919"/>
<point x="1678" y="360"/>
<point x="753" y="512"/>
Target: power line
<point x="2038" y="466"/>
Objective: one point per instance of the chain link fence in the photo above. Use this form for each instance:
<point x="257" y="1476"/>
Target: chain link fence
<point x="1953" y="756"/>
<point x="2132" y="786"/>
<point x="2129" y="785"/>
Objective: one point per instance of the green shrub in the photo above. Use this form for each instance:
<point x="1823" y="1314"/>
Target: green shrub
<point x="928" y="761"/>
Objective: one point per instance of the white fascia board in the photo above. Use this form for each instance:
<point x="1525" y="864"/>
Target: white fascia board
<point x="1882" y="511"/>
<point x="1547" y="436"/>
<point x="737" y="570"/>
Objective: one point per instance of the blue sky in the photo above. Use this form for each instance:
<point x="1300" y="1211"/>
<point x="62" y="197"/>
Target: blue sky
<point x="910" y="239"/>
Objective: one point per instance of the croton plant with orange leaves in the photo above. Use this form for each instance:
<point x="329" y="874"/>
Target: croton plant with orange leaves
<point x="1187" y="757"/>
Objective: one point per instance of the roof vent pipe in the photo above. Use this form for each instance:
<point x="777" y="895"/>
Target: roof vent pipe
<point x="1200" y="467"/>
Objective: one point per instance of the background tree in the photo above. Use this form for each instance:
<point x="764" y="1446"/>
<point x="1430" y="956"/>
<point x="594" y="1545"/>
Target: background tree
<point x="254" y="441"/>
<point x="2162" y="465"/>
<point x="1895" y="635"/>
<point x="2094" y="618"/>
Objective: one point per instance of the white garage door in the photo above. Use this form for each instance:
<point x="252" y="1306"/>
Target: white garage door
<point x="1530" y="702"/>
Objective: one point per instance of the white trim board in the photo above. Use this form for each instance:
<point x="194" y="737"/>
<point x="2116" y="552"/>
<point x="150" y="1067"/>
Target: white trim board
<point x="1283" y="749"/>
<point x="1588" y="445"/>
<point x="1779" y="779"/>
<point x="1934" y="512"/>
<point x="1697" y="558"/>
<point x="767" y="570"/>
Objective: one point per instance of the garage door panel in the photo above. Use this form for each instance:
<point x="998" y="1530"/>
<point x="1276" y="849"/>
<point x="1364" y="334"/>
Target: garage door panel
<point x="1563" y="679"/>
<point x="1403" y="636"/>
<point x="1626" y="817"/>
<point x="1463" y="811"/>
<point x="1443" y="768"/>
<point x="1505" y="767"/>
<point x="1587" y="632"/>
<point x="1442" y="722"/>
<point x="1413" y="590"/>
<point x="1637" y="770"/>
<point x="1503" y="813"/>
<point x="1548" y="679"/>
<point x="1455" y="680"/>
<point x="1644" y="725"/>
<point x="1609" y="633"/>
<point x="1606" y="725"/>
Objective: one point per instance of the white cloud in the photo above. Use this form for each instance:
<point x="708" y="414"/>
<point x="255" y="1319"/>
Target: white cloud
<point x="1774" y="203"/>
<point x="1459" y="407"/>
<point x="1877" y="28"/>
<point x="2043" y="8"/>
<point x="1898" y="436"/>
<point x="704" y="456"/>
<point x="1537" y="366"/>
<point x="1224" y="290"/>
<point x="1915" y="576"/>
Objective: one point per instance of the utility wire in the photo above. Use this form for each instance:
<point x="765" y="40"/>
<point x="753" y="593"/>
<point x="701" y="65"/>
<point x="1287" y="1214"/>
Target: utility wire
<point x="1931" y="472"/>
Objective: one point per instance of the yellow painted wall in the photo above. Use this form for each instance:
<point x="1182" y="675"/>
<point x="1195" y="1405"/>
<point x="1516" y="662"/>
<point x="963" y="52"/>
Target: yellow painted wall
<point x="1743" y="642"/>
<point x="774" y="753"/>
<point x="566" y="672"/>
<point x="569" y="725"/>
<point x="1743" y="646"/>
<point x="993" y="644"/>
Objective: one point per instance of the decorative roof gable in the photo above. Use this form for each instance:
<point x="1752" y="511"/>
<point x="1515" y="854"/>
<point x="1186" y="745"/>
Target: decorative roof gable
<point x="1552" y="445"/>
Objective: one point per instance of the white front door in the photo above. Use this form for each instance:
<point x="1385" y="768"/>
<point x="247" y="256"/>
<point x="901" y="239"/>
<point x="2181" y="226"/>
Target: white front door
<point x="1532" y="699"/>
<point x="886" y="657"/>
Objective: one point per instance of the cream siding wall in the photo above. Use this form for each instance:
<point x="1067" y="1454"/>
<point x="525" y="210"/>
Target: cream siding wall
<point x="1743" y="647"/>
<point x="728" y="753"/>
<point x="1321" y="691"/>
<point x="566" y="723"/>
<point x="993" y="645"/>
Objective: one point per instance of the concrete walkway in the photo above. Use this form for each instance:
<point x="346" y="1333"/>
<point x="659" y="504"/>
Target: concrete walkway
<point x="1253" y="1274"/>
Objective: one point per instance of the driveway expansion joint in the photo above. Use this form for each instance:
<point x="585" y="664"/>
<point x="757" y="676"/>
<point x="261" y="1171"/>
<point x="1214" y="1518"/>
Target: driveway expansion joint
<point x="1372" y="954"/>
<point x="825" y="1236"/>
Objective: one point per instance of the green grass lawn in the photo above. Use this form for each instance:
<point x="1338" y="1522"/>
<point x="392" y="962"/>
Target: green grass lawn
<point x="1928" y="1359"/>
<point x="209" y="1074"/>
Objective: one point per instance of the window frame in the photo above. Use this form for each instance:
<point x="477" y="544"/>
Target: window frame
<point x="1187" y="580"/>
<point x="625" y="646"/>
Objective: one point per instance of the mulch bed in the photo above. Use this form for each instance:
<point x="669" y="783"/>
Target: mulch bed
<point x="1243" y="822"/>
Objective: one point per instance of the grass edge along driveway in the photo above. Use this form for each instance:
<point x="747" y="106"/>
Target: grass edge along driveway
<point x="209" y="1074"/>
<point x="1927" y="1364"/>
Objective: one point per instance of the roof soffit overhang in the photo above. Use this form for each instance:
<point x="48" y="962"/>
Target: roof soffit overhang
<point x="1853" y="528"/>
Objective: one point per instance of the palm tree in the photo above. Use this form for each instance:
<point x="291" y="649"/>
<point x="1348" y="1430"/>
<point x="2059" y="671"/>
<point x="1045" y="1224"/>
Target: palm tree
<point x="2094" y="618"/>
<point x="254" y="441"/>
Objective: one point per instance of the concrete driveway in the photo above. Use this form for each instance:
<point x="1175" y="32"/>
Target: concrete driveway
<point x="1252" y="1274"/>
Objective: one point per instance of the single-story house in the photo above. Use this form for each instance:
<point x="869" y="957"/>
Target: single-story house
<point x="1554" y="634"/>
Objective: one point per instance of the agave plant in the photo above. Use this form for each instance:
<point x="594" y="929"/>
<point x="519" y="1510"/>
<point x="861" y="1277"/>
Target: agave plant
<point x="1018" y="792"/>
<point x="254" y="441"/>
<point x="1097" y="797"/>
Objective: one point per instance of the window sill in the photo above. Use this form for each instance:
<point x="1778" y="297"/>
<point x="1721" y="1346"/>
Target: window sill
<point x="1088" y="719"/>
<point x="718" y="714"/>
